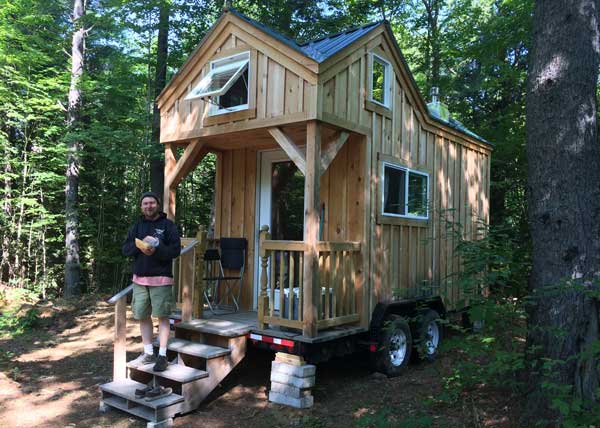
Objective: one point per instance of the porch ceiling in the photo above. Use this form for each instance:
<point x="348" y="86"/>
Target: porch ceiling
<point x="261" y="139"/>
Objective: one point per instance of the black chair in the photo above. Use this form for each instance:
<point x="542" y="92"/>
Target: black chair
<point x="222" y="289"/>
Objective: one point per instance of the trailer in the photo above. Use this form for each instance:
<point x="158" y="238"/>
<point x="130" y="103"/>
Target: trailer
<point x="341" y="180"/>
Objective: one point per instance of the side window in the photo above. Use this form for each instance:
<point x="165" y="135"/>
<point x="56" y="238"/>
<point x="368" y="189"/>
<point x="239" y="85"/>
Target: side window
<point x="405" y="192"/>
<point x="226" y="84"/>
<point x="381" y="80"/>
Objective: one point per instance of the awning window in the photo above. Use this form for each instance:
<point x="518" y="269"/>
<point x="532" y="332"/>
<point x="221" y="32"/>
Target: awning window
<point x="220" y="78"/>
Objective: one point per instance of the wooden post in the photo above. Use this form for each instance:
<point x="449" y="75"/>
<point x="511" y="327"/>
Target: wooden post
<point x="262" y="297"/>
<point x="187" y="282"/>
<point x="199" y="260"/>
<point x="169" y="201"/>
<point x="311" y="287"/>
<point x="120" y="350"/>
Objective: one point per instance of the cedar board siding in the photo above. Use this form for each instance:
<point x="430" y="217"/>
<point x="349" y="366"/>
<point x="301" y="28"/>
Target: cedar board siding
<point x="279" y="93"/>
<point x="405" y="255"/>
<point x="341" y="192"/>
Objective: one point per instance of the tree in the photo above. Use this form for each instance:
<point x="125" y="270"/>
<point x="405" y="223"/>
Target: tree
<point x="564" y="206"/>
<point x="74" y="147"/>
<point x="162" y="50"/>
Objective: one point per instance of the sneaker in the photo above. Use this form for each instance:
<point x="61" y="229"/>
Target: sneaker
<point x="143" y="359"/>
<point x="158" y="392"/>
<point x="141" y="392"/>
<point x="161" y="364"/>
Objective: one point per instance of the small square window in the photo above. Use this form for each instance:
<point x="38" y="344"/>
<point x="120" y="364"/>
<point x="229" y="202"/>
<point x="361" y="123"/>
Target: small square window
<point x="225" y="85"/>
<point x="405" y="192"/>
<point x="380" y="81"/>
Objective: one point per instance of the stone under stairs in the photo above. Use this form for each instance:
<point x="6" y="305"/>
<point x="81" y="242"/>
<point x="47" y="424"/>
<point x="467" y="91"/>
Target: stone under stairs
<point x="202" y="354"/>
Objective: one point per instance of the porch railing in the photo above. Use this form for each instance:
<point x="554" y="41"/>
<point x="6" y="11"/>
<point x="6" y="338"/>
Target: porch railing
<point x="281" y="300"/>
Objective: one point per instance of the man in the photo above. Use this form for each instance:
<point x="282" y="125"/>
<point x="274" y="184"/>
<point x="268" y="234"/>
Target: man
<point x="152" y="276"/>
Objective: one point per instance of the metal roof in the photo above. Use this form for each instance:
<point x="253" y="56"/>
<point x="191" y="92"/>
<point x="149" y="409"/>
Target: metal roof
<point x="453" y="123"/>
<point x="319" y="49"/>
<point x="327" y="46"/>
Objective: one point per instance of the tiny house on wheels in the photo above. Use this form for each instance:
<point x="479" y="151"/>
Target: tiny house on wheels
<point x="335" y="179"/>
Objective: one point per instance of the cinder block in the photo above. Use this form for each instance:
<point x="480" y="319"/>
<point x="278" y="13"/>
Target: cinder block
<point x="298" y="382"/>
<point x="290" y="391"/>
<point x="298" y="371"/>
<point x="299" y="403"/>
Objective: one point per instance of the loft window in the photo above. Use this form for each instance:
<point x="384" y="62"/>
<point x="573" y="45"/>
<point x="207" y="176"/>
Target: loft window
<point x="405" y="192"/>
<point x="226" y="84"/>
<point x="380" y="80"/>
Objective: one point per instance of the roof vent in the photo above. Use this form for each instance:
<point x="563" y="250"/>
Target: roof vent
<point x="436" y="107"/>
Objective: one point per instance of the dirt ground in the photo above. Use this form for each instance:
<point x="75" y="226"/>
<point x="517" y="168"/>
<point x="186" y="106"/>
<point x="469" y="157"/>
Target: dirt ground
<point x="49" y="377"/>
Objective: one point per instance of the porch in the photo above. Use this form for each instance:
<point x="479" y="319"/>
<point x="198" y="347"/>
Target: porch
<point x="309" y="281"/>
<point x="287" y="308"/>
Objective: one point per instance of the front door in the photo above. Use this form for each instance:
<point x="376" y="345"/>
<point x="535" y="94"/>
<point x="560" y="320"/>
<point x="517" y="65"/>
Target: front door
<point x="280" y="202"/>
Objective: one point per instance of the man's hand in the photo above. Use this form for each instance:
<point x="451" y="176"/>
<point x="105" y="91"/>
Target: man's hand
<point x="149" y="251"/>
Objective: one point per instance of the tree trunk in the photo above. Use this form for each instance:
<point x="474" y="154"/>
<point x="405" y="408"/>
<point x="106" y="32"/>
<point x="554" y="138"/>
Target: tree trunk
<point x="157" y="169"/>
<point x="564" y="202"/>
<point x="72" y="267"/>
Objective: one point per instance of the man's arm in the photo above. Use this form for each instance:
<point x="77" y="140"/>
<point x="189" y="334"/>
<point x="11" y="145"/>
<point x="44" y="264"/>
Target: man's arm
<point x="129" y="248"/>
<point x="170" y="246"/>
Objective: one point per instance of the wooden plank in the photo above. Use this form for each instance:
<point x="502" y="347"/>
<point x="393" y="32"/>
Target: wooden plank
<point x="238" y="189"/>
<point x="289" y="147"/>
<point x="169" y="201"/>
<point x="338" y="246"/>
<point x="331" y="152"/>
<point x="228" y="173"/>
<point x="284" y="245"/>
<point x="334" y="322"/>
<point x="283" y="322"/>
<point x="120" y="340"/>
<point x="188" y="264"/>
<point x="272" y="280"/>
<point x="300" y="286"/>
<point x="338" y="198"/>
<point x="369" y="215"/>
<point x="261" y="93"/>
<point x="329" y="309"/>
<point x="218" y="194"/>
<point x="281" y="282"/>
<point x="293" y="91"/>
<point x="354" y="87"/>
<point x="247" y="295"/>
<point x="311" y="227"/>
<point x="276" y="89"/>
<point x="328" y="92"/>
<point x="291" y="298"/>
<point x="341" y="94"/>
<point x="340" y="123"/>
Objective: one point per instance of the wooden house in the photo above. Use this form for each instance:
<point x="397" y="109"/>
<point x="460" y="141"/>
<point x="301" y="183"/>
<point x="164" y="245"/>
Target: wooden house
<point x="340" y="177"/>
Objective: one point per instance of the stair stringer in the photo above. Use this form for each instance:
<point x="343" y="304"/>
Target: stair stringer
<point x="218" y="368"/>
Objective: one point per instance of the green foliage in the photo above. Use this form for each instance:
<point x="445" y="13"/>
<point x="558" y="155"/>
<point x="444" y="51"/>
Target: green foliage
<point x="390" y="418"/>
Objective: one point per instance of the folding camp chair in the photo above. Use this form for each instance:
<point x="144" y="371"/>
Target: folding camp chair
<point x="221" y="288"/>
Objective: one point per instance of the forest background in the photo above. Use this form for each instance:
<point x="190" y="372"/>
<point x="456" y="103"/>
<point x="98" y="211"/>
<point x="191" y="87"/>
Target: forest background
<point x="475" y="51"/>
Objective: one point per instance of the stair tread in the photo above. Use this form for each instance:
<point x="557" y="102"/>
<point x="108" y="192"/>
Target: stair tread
<point x="125" y="388"/>
<point x="176" y="372"/>
<point x="219" y="327"/>
<point x="195" y="349"/>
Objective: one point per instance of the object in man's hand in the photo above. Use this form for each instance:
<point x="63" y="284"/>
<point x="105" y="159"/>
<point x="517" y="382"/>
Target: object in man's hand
<point x="143" y="245"/>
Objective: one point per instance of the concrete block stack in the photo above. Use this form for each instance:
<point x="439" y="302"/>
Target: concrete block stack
<point x="291" y="381"/>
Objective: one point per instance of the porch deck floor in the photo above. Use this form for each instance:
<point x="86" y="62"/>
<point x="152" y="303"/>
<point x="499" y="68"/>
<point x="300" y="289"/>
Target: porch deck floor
<point x="250" y="318"/>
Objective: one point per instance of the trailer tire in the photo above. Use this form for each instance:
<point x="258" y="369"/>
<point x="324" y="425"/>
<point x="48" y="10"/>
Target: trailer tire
<point x="429" y="333"/>
<point x="394" y="347"/>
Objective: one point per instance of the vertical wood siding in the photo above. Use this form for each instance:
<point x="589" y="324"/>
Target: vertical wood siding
<point x="408" y="260"/>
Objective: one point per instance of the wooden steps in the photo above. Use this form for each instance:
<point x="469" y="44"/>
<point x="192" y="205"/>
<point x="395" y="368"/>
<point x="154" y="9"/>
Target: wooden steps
<point x="218" y="327"/>
<point x="205" y="352"/>
<point x="195" y="349"/>
<point x="175" y="372"/>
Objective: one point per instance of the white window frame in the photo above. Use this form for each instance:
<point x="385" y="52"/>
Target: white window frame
<point x="387" y="80"/>
<point x="218" y="66"/>
<point x="406" y="195"/>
